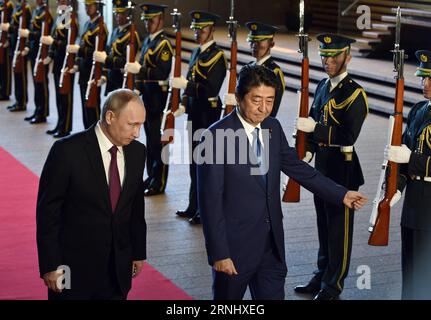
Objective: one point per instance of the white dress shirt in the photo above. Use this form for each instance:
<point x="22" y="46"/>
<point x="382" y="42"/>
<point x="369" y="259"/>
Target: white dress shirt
<point x="249" y="128"/>
<point x="206" y="45"/>
<point x="336" y="80"/>
<point x="261" y="61"/>
<point x="105" y="144"/>
<point x="152" y="36"/>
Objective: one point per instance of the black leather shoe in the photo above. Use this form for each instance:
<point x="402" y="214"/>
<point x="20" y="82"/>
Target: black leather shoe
<point x="61" y="134"/>
<point x="185" y="214"/>
<point x="17" y="109"/>
<point x="38" y="119"/>
<point x="29" y="118"/>
<point x="11" y="106"/>
<point x="309" y="288"/>
<point x="152" y="192"/>
<point x="51" y="131"/>
<point x="325" y="295"/>
<point x="196" y="219"/>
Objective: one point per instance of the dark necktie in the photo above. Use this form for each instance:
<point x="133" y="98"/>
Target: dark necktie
<point x="114" y="179"/>
<point x="257" y="149"/>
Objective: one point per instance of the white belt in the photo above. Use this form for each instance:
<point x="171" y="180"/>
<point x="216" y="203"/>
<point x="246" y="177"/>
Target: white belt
<point x="427" y="179"/>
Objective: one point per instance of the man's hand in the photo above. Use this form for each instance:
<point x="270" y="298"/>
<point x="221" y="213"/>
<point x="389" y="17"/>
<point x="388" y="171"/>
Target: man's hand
<point x="137" y="268"/>
<point x="100" y="56"/>
<point x="225" y="266"/>
<point x="51" y="278"/>
<point x="47" y="40"/>
<point x="101" y="81"/>
<point x="132" y="67"/>
<point x="230" y="99"/>
<point x="395" y="198"/>
<point x="398" y="154"/>
<point x="6" y="44"/>
<point x="25" y="51"/>
<point x="47" y="61"/>
<point x="179" y="82"/>
<point x="74" y="69"/>
<point x="5" y="27"/>
<point x="354" y="200"/>
<point x="308" y="157"/>
<point x="180" y="111"/>
<point x="23" y="33"/>
<point x="72" y="48"/>
<point x="305" y="124"/>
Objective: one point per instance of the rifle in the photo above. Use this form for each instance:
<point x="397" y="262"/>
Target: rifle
<point x="96" y="69"/>
<point x="233" y="26"/>
<point x="292" y="193"/>
<point x="5" y="17"/>
<point x="65" y="82"/>
<point x="168" y="120"/>
<point x="128" y="81"/>
<point x="380" y="223"/>
<point x="42" y="53"/>
<point x="18" y="59"/>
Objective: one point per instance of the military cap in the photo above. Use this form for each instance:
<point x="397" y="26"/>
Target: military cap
<point x="88" y="2"/>
<point x="122" y="5"/>
<point x="424" y="69"/>
<point x="201" y="19"/>
<point x="332" y="45"/>
<point x="259" y="31"/>
<point x="150" y="10"/>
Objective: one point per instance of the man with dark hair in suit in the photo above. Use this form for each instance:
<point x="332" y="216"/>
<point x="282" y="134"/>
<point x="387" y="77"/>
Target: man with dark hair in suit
<point x="90" y="207"/>
<point x="239" y="197"/>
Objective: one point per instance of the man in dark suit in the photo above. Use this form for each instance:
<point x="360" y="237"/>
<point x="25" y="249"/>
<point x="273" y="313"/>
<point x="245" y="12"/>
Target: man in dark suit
<point x="90" y="207"/>
<point x="238" y="192"/>
<point x="415" y="176"/>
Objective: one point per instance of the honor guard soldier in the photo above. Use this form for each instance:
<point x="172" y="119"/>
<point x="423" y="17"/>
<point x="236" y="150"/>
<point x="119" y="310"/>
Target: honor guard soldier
<point x="6" y="9"/>
<point x="336" y="117"/>
<point x="41" y="93"/>
<point x="415" y="176"/>
<point x="20" y="78"/>
<point x="207" y="70"/>
<point x="261" y="39"/>
<point x="57" y="53"/>
<point x="152" y="80"/>
<point x="115" y="57"/>
<point x="84" y="59"/>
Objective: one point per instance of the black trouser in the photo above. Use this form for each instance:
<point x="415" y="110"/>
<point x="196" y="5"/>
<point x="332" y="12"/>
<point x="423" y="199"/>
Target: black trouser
<point x="157" y="170"/>
<point x="416" y="264"/>
<point x="64" y="105"/>
<point x="89" y="115"/>
<point x="107" y="290"/>
<point x="41" y="94"/>
<point x="21" y="84"/>
<point x="266" y="281"/>
<point x="335" y="230"/>
<point x="5" y="75"/>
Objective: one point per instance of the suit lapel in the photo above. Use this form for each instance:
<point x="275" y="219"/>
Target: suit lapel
<point x="93" y="151"/>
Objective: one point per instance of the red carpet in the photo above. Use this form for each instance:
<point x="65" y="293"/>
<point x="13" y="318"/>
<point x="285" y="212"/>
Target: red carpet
<point x="19" y="276"/>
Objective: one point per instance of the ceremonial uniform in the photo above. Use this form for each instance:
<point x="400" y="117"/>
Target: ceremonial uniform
<point x="85" y="62"/>
<point x="339" y="110"/>
<point x="6" y="64"/>
<point x="20" y="78"/>
<point x="415" y="177"/>
<point x="57" y="52"/>
<point x="153" y="81"/>
<point x="259" y="32"/>
<point x="117" y="50"/>
<point x="207" y="70"/>
<point x="41" y="94"/>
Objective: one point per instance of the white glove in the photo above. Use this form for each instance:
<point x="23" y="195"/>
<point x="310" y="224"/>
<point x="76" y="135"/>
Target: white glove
<point x="101" y="81"/>
<point x="73" y="70"/>
<point x="137" y="92"/>
<point x="132" y="67"/>
<point x="179" y="83"/>
<point x="230" y="99"/>
<point x="5" y="27"/>
<point x="47" y="40"/>
<point x="395" y="198"/>
<point x="99" y="56"/>
<point x="23" y="33"/>
<point x="180" y="111"/>
<point x="47" y="60"/>
<point x="25" y="51"/>
<point x="398" y="154"/>
<point x="6" y="44"/>
<point x="305" y="124"/>
<point x="308" y="157"/>
<point x="72" y="48"/>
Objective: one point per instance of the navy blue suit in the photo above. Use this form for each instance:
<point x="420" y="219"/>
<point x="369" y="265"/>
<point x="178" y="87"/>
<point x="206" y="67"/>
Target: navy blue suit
<point x="241" y="213"/>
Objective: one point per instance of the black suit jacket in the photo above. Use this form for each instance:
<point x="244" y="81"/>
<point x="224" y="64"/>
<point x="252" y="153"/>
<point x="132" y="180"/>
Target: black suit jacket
<point x="235" y="205"/>
<point x="75" y="223"/>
